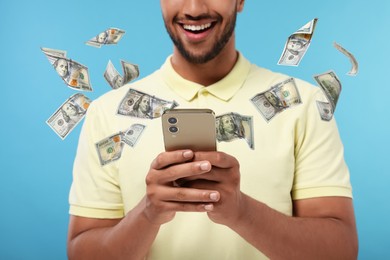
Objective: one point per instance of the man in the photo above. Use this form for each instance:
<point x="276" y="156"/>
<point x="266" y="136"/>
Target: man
<point x="289" y="198"/>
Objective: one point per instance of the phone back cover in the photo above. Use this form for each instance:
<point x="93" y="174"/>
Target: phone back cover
<point x="196" y="130"/>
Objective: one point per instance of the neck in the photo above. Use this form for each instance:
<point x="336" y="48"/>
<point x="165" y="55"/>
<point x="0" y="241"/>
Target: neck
<point x="210" y="72"/>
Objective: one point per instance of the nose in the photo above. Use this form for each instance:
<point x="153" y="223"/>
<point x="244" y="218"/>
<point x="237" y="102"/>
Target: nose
<point x="195" y="8"/>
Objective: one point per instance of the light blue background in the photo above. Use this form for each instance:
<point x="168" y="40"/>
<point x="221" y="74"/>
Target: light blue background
<point x="36" y="164"/>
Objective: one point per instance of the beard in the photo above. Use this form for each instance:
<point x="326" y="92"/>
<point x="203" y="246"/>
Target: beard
<point x="217" y="47"/>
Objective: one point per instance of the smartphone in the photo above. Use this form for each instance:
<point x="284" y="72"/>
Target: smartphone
<point x="192" y="129"/>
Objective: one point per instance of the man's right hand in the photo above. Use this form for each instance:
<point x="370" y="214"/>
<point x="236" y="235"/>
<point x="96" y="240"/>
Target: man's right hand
<point x="164" y="197"/>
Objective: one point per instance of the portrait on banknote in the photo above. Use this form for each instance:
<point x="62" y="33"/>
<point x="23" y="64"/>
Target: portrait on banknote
<point x="331" y="86"/>
<point x="295" y="49"/>
<point x="142" y="105"/>
<point x="69" y="114"/>
<point x="74" y="74"/>
<point x="297" y="44"/>
<point x="130" y="71"/>
<point x="62" y="68"/>
<point x="136" y="104"/>
<point x="233" y="126"/>
<point x="109" y="36"/>
<point x="274" y="100"/>
<point x="131" y="135"/>
<point x="229" y="128"/>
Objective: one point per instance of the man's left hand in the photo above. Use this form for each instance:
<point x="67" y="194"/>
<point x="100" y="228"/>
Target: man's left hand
<point x="225" y="178"/>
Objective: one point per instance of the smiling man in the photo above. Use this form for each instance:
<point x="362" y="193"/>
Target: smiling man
<point x="289" y="197"/>
<point x="200" y="36"/>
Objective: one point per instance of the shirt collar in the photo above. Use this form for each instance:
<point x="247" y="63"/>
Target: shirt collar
<point x="223" y="89"/>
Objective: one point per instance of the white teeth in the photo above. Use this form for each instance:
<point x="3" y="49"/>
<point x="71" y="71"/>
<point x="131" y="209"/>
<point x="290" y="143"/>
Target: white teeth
<point x="196" y="28"/>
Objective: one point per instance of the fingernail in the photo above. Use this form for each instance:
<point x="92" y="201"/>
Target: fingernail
<point x="209" y="207"/>
<point x="204" y="166"/>
<point x="187" y="154"/>
<point x="214" y="196"/>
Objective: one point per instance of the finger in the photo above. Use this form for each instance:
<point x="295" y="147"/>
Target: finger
<point x="190" y="195"/>
<point x="214" y="175"/>
<point x="168" y="158"/>
<point x="189" y="207"/>
<point x="217" y="159"/>
<point x="178" y="171"/>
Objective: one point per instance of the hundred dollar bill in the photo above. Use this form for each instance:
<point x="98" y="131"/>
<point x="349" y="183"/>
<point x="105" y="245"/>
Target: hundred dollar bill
<point x="112" y="76"/>
<point x="325" y="110"/>
<point x="74" y="74"/>
<point x="331" y="86"/>
<point x="279" y="97"/>
<point x="110" y="149"/>
<point x="233" y="126"/>
<point x="78" y="76"/>
<point x="264" y="106"/>
<point x="355" y="65"/>
<point x="68" y="115"/>
<point x="297" y="45"/>
<point x="130" y="71"/>
<point x="142" y="105"/>
<point x="109" y="36"/>
<point x="286" y="93"/>
<point x="132" y="135"/>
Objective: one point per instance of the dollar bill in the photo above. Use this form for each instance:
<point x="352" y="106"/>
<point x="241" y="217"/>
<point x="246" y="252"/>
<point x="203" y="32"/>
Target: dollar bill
<point x="264" y="106"/>
<point x="112" y="76"/>
<point x="297" y="44"/>
<point x="233" y="126"/>
<point x="78" y="77"/>
<point x="131" y="136"/>
<point x="110" y="149"/>
<point x="325" y="109"/>
<point x="355" y="65"/>
<point x="331" y="86"/>
<point x="286" y="93"/>
<point x="109" y="36"/>
<point x="68" y="115"/>
<point x="130" y="71"/>
<point x="142" y="105"/>
<point x="74" y="74"/>
<point x="279" y="97"/>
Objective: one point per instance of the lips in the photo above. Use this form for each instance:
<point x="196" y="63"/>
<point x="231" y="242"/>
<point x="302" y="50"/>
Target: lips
<point x="197" y="32"/>
<point x="197" y="28"/>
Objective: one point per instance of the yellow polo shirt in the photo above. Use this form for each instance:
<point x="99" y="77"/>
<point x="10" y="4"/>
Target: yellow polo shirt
<point x="295" y="155"/>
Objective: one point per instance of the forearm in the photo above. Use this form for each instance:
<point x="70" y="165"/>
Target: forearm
<point x="131" y="238"/>
<point x="284" y="237"/>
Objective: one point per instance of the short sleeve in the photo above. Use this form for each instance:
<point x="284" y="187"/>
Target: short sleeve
<point x="95" y="192"/>
<point x="320" y="168"/>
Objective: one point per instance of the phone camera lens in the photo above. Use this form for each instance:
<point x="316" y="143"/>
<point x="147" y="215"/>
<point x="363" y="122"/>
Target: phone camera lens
<point x="172" y="120"/>
<point x="173" y="129"/>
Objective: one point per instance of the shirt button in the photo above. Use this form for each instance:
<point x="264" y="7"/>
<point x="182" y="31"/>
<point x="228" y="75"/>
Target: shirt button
<point x="202" y="92"/>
